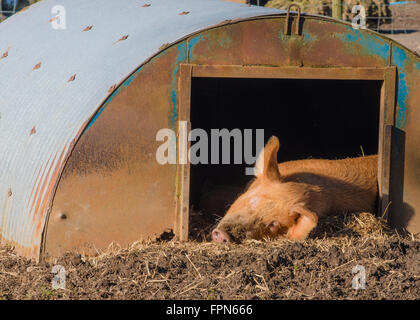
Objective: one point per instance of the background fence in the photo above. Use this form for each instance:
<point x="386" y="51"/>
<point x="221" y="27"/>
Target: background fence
<point x="381" y="15"/>
<point x="9" y="7"/>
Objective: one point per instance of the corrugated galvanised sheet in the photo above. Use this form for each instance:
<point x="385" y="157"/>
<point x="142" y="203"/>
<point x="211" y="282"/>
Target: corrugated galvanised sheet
<point x="53" y="81"/>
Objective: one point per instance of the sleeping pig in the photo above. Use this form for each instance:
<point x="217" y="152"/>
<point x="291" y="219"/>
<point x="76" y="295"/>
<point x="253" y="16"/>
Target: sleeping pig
<point x="286" y="199"/>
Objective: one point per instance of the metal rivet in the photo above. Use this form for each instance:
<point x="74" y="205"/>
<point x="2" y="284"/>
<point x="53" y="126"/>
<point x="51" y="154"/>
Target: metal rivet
<point x="62" y="216"/>
<point x="112" y="88"/>
<point x="33" y="131"/>
<point x="5" y="54"/>
<point x="9" y="192"/>
<point x="123" y="38"/>
<point x="37" y="66"/>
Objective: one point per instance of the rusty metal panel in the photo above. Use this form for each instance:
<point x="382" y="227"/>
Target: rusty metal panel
<point x="323" y="43"/>
<point x="235" y="71"/>
<point x="52" y="82"/>
<point x="112" y="188"/>
<point x="406" y="203"/>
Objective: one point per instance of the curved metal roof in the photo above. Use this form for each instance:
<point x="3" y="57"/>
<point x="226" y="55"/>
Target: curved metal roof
<point x="52" y="82"/>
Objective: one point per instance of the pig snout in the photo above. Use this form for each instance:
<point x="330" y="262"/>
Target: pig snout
<point x="220" y="236"/>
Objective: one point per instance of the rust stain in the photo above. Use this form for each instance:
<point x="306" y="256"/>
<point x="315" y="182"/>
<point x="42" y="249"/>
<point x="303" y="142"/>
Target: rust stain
<point x="112" y="167"/>
<point x="88" y="28"/>
<point x="38" y="196"/>
<point x="53" y="19"/>
<point x="146" y="5"/>
<point x="5" y="54"/>
<point x="33" y="252"/>
<point x="37" y="66"/>
<point x="33" y="188"/>
<point x="183" y="13"/>
<point x="29" y="252"/>
<point x="37" y="184"/>
<point x="33" y="131"/>
<point x="9" y="192"/>
<point x="122" y="39"/>
<point x="72" y="78"/>
<point x="41" y="213"/>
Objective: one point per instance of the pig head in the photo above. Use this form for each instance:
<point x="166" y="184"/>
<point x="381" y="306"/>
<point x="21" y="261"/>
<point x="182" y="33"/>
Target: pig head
<point x="270" y="207"/>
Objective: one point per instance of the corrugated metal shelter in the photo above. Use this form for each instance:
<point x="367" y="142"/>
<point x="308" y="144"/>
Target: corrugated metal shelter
<point x="80" y="108"/>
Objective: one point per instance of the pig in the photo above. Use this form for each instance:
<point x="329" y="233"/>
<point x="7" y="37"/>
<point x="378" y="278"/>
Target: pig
<point x="286" y="199"/>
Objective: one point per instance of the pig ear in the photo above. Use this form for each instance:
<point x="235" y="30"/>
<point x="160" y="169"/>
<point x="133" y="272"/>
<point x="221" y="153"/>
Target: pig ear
<point x="266" y="165"/>
<point x="304" y="221"/>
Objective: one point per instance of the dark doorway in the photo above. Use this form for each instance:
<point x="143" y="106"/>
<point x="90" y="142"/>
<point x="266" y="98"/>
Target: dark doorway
<point x="329" y="119"/>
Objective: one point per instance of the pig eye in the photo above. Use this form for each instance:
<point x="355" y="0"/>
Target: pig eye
<point x="273" y="225"/>
<point x="276" y="228"/>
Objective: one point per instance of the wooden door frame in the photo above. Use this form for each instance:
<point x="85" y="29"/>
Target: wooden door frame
<point x="386" y="117"/>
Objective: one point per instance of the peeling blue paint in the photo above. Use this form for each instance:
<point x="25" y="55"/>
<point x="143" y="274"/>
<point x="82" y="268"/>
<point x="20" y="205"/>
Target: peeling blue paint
<point x="402" y="97"/>
<point x="418" y="65"/>
<point x="127" y="82"/>
<point x="224" y="41"/>
<point x="307" y="39"/>
<point x="182" y="57"/>
<point x="191" y="44"/>
<point x="307" y="36"/>
<point x="95" y="117"/>
<point x="98" y="113"/>
<point x="369" y="43"/>
<point x="400" y="58"/>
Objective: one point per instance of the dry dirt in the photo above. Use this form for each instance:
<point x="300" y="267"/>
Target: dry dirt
<point x="318" y="268"/>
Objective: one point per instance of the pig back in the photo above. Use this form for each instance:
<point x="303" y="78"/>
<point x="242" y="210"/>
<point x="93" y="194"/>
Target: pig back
<point x="345" y="185"/>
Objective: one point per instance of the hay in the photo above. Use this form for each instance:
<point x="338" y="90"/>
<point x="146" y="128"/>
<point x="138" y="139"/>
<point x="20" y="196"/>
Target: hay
<point x="318" y="268"/>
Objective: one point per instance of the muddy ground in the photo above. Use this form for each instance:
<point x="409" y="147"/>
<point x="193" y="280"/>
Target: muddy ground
<point x="318" y="268"/>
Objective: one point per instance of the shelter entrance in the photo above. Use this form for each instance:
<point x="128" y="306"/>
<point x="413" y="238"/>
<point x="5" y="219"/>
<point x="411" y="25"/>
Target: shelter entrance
<point x="326" y="113"/>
